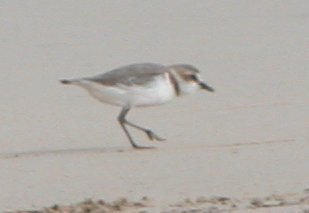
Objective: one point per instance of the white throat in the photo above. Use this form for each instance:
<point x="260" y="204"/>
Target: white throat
<point x="185" y="88"/>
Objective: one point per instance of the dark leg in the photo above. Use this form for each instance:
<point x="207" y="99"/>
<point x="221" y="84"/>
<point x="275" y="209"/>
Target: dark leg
<point x="122" y="121"/>
<point x="151" y="135"/>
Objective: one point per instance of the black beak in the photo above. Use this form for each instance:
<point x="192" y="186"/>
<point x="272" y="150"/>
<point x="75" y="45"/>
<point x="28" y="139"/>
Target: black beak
<point x="206" y="87"/>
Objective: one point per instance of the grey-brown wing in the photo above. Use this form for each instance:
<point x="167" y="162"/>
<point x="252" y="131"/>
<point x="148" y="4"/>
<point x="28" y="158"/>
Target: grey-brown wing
<point x="131" y="74"/>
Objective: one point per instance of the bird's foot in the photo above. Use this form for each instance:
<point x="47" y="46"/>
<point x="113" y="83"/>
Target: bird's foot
<point x="143" y="147"/>
<point x="152" y="136"/>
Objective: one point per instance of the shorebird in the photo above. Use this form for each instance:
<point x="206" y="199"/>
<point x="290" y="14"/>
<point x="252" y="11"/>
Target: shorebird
<point x="141" y="85"/>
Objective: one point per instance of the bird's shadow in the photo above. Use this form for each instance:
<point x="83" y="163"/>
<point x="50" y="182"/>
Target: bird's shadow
<point x="74" y="151"/>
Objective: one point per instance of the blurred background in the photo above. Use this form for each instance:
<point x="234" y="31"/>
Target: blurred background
<point x="254" y="53"/>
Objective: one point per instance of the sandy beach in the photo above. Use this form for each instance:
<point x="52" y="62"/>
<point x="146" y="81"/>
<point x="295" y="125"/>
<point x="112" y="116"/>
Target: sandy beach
<point x="244" y="148"/>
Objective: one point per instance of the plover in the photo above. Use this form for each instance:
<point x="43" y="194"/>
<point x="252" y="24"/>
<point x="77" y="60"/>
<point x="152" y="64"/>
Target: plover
<point x="141" y="85"/>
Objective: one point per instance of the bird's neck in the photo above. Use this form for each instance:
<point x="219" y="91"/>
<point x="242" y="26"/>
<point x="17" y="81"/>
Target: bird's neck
<point x="174" y="82"/>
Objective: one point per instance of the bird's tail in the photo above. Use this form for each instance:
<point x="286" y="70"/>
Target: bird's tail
<point x="78" y="82"/>
<point x="65" y="81"/>
<point x="71" y="81"/>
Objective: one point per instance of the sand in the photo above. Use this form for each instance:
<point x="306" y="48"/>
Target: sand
<point x="248" y="140"/>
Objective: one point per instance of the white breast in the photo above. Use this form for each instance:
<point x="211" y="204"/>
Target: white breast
<point x="156" y="92"/>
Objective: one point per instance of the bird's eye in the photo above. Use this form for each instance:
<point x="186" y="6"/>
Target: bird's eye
<point x="193" y="77"/>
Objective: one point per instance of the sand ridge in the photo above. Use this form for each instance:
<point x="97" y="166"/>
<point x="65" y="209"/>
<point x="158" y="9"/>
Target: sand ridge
<point x="292" y="202"/>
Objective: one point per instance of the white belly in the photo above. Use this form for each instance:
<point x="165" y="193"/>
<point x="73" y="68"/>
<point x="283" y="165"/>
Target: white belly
<point x="156" y="92"/>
